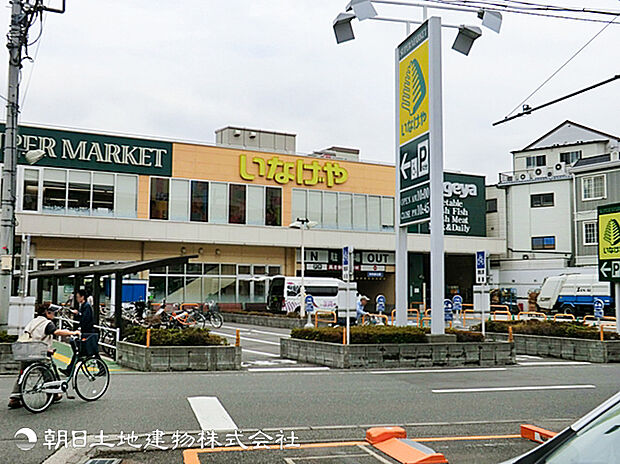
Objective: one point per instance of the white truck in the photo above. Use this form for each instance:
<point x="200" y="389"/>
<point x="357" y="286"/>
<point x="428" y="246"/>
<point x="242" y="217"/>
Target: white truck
<point x="573" y="293"/>
<point x="328" y="293"/>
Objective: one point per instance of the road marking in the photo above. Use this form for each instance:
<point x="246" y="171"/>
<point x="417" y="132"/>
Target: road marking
<point x="210" y="413"/>
<point x="246" y="338"/>
<point x="436" y="371"/>
<point x="262" y="353"/>
<point x="275" y="334"/>
<point x="554" y="363"/>
<point x="527" y="356"/>
<point x="500" y="389"/>
<point x="473" y="437"/>
<point x="287" y="369"/>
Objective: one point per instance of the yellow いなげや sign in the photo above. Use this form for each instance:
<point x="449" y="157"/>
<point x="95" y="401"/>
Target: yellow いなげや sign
<point x="609" y="234"/>
<point x="413" y="93"/>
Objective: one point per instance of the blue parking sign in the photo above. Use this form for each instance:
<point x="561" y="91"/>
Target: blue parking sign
<point x="457" y="302"/>
<point x="380" y="303"/>
<point x="309" y="303"/>
<point x="447" y="310"/>
<point x="599" y="306"/>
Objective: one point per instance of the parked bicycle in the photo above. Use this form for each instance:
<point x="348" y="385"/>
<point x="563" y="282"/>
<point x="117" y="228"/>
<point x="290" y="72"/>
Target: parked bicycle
<point x="212" y="314"/>
<point x="40" y="381"/>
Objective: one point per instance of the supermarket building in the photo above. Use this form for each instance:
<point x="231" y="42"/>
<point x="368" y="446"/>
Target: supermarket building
<point x="99" y="198"/>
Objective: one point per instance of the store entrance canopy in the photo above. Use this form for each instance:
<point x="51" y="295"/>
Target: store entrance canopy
<point x="118" y="270"/>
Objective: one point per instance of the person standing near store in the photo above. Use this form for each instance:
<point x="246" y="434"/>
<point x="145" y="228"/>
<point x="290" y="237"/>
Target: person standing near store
<point x="85" y="318"/>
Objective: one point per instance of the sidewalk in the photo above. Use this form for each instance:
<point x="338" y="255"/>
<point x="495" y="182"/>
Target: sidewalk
<point x="63" y="354"/>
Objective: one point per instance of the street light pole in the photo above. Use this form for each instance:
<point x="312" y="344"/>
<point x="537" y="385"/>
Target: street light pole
<point x="302" y="304"/>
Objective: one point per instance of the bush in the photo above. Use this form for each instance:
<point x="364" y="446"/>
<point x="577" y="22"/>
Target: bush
<point x="174" y="337"/>
<point x="368" y="335"/>
<point x="6" y="338"/>
<point x="550" y="329"/>
<point x="466" y="336"/>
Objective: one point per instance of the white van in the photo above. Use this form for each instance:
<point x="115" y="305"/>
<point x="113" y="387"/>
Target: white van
<point x="328" y="293"/>
<point x="573" y="293"/>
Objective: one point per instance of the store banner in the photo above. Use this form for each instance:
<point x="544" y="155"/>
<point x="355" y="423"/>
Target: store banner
<point x="93" y="152"/>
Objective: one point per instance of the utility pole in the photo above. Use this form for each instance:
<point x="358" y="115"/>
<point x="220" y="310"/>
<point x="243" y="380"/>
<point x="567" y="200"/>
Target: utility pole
<point x="23" y="15"/>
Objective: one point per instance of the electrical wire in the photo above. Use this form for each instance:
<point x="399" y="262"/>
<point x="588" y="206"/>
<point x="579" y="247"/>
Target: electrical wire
<point x="34" y="62"/>
<point x="537" y="6"/>
<point x="561" y="67"/>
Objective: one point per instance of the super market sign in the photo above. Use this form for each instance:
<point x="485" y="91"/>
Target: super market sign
<point x="95" y="152"/>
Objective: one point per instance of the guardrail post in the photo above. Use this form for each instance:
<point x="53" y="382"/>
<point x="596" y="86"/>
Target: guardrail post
<point x="602" y="334"/>
<point x="510" y="337"/>
<point x="238" y="338"/>
<point x="344" y="336"/>
<point x="148" y="337"/>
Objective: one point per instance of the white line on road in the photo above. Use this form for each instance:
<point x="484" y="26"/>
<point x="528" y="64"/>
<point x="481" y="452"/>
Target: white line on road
<point x="210" y="413"/>
<point x="435" y="371"/>
<point x="527" y="356"/>
<point x="287" y="369"/>
<point x="501" y="389"/>
<point x="554" y="363"/>
<point x="262" y="353"/>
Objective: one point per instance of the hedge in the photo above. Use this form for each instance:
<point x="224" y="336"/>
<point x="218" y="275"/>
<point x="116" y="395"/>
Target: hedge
<point x="174" y="337"/>
<point x="365" y="335"/>
<point x="549" y="328"/>
<point x="6" y="338"/>
<point x="466" y="336"/>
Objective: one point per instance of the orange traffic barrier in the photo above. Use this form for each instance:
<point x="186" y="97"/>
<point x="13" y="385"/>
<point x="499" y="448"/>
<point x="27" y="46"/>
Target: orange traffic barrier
<point x="380" y="316"/>
<point x="424" y="320"/>
<point x="148" y="337"/>
<point x="501" y="307"/>
<point x="238" y="338"/>
<point x="563" y="317"/>
<point x="378" y="434"/>
<point x="602" y="334"/>
<point x="501" y="316"/>
<point x="410" y="311"/>
<point x="526" y="315"/>
<point x="392" y="441"/>
<point x="533" y="433"/>
<point x="318" y="317"/>
<point x="464" y="314"/>
<point x="510" y="336"/>
<point x="344" y="336"/>
<point x="427" y="312"/>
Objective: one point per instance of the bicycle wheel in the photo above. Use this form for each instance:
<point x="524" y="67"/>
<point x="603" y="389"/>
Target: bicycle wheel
<point x="109" y="339"/>
<point x="201" y="321"/>
<point x="216" y="320"/>
<point x="91" y="378"/>
<point x="34" y="398"/>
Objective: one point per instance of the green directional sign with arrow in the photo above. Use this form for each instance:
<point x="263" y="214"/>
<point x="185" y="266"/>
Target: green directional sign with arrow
<point x="609" y="243"/>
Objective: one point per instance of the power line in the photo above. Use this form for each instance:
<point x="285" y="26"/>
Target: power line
<point x="561" y="67"/>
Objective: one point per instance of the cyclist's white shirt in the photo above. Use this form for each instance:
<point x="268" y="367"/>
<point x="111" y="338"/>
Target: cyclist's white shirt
<point x="36" y="329"/>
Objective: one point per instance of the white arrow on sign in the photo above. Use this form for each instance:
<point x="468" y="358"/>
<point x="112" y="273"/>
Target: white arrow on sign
<point x="605" y="269"/>
<point x="404" y="166"/>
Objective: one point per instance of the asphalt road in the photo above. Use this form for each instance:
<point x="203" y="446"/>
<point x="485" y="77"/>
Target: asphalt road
<point x="321" y="405"/>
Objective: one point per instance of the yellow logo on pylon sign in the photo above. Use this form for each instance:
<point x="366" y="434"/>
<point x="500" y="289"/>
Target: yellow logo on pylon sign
<point x="413" y="94"/>
<point x="609" y="236"/>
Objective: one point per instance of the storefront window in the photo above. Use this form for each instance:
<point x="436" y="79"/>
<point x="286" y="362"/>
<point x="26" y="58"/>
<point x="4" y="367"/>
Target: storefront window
<point x="259" y="270"/>
<point x="194" y="268"/>
<point x="387" y="213"/>
<point x="330" y="210"/>
<point x="175" y="290"/>
<point x="374" y="213"/>
<point x="256" y="205"/>
<point x="218" y="203"/>
<point x="298" y="206"/>
<point x="259" y="291"/>
<point x="228" y="269"/>
<point x="79" y="193"/>
<point x="54" y="191"/>
<point x="103" y="194"/>
<point x="212" y="268"/>
<point x="228" y="289"/>
<point x="179" y="200"/>
<point x="159" y="198"/>
<point x="236" y="209"/>
<point x="193" y="291"/>
<point x="273" y="207"/>
<point x="31" y="190"/>
<point x="244" y="291"/>
<point x="359" y="212"/>
<point x="314" y="207"/>
<point x="345" y="209"/>
<point x="126" y="196"/>
<point x="200" y="201"/>
<point x="274" y="270"/>
<point x="158" y="288"/>
<point x="211" y="288"/>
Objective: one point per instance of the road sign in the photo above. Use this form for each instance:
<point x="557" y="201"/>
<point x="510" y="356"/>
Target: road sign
<point x="457" y="302"/>
<point x="380" y="303"/>
<point x="309" y="304"/>
<point x="347" y="264"/>
<point x="609" y="243"/>
<point x="447" y="310"/>
<point x="481" y="267"/>
<point x="599" y="306"/>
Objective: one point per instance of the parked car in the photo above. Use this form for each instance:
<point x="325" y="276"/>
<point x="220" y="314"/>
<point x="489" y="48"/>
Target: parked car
<point x="595" y="438"/>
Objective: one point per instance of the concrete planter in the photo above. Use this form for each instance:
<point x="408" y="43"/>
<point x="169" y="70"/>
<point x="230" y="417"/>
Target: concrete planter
<point x="398" y="355"/>
<point x="266" y="321"/>
<point x="179" y="358"/>
<point x="575" y="349"/>
<point x="7" y="365"/>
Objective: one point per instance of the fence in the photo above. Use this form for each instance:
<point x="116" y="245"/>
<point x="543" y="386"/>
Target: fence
<point x="107" y="335"/>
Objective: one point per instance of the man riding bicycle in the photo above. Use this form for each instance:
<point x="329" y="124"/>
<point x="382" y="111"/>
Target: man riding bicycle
<point x="41" y="328"/>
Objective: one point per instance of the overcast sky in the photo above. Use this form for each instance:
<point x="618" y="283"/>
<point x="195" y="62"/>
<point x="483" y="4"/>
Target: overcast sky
<point x="183" y="69"/>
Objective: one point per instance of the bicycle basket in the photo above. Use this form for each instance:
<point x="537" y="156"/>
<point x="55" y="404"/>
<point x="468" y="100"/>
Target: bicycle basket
<point x="89" y="344"/>
<point x="29" y="351"/>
